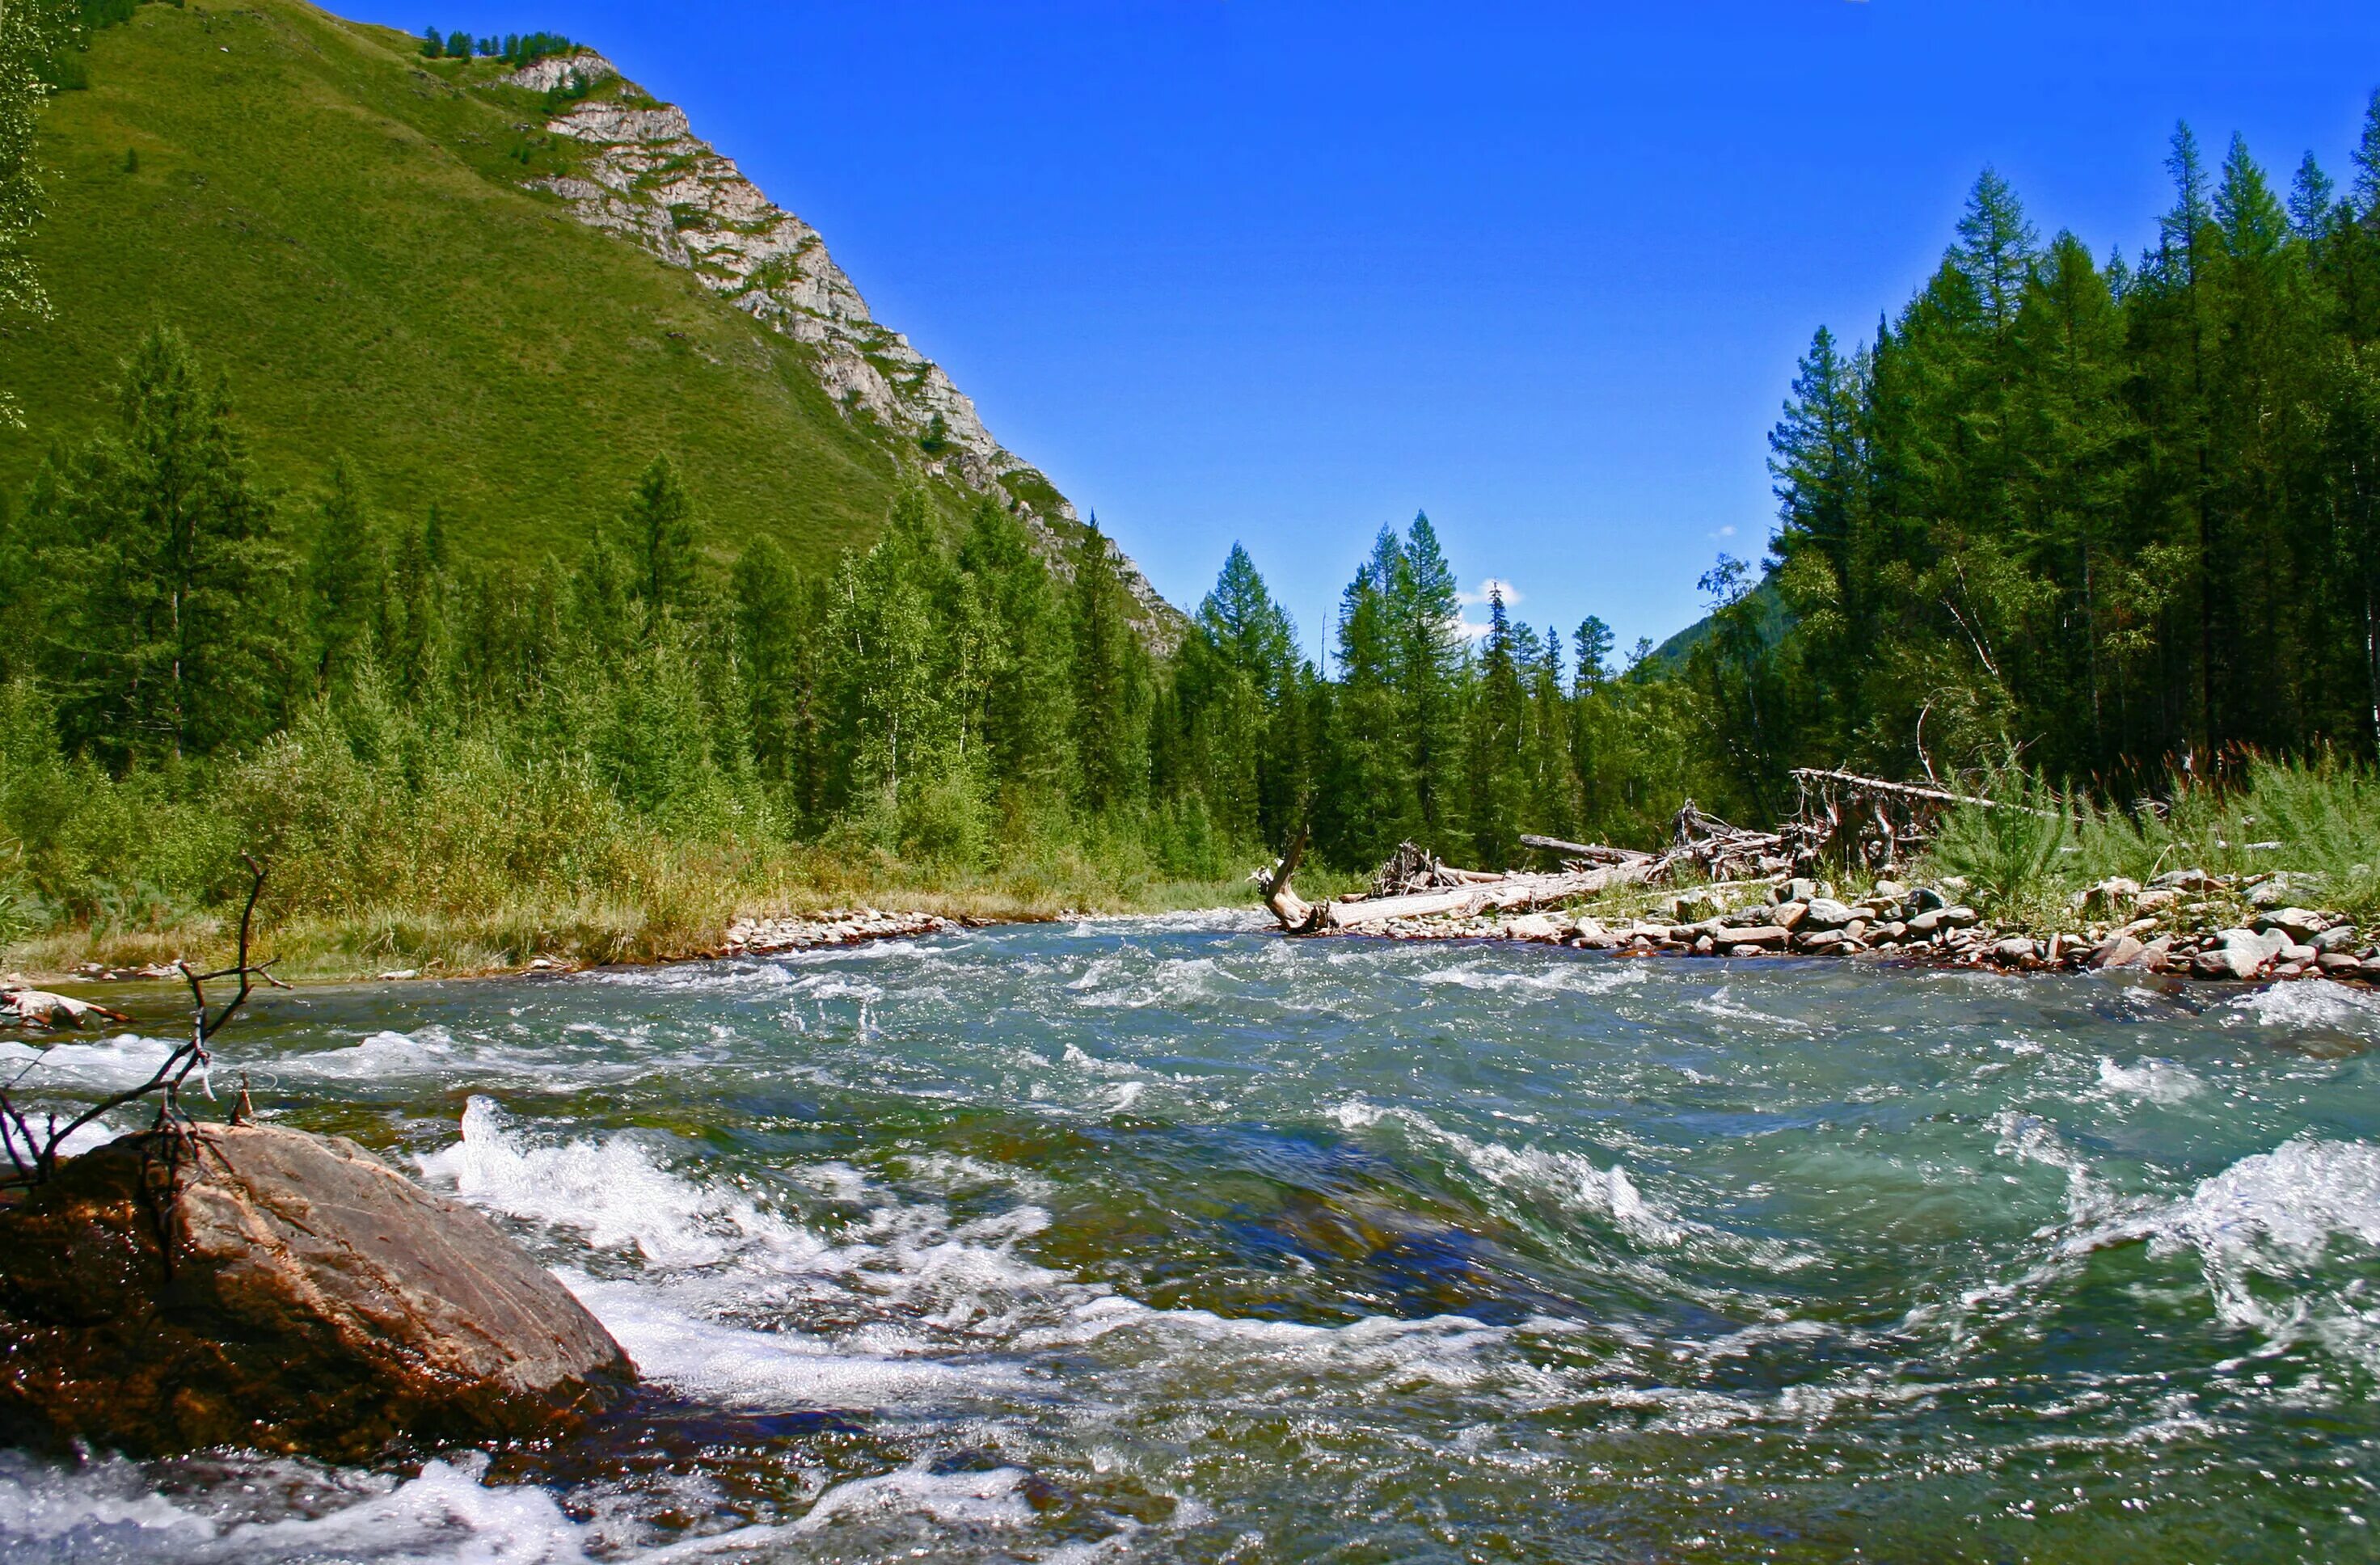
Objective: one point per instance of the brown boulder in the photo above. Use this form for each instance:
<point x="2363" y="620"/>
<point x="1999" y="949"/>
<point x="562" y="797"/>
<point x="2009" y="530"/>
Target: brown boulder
<point x="262" y="1287"/>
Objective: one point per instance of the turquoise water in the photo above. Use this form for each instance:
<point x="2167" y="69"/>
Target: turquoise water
<point x="1170" y="1238"/>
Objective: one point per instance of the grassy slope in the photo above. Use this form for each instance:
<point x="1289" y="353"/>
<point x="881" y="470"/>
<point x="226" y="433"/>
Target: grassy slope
<point x="342" y="231"/>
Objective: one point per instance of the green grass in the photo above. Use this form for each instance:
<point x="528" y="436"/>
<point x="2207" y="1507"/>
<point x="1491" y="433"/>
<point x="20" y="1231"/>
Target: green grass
<point x="2318" y="820"/>
<point x="340" y="226"/>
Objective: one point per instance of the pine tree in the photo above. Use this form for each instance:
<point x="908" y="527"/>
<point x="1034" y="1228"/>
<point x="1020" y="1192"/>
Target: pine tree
<point x="1027" y="706"/>
<point x="2367" y="161"/>
<point x="1366" y="802"/>
<point x="770" y="634"/>
<point x="1496" y="752"/>
<point x="172" y="636"/>
<point x="1111" y="687"/>
<point x="2311" y="197"/>
<point x="434" y="46"/>
<point x="346" y="577"/>
<point x="660" y="524"/>
<point x="1423" y="605"/>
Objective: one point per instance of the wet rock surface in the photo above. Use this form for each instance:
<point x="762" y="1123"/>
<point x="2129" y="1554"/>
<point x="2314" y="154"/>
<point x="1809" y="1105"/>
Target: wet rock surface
<point x="266" y="1288"/>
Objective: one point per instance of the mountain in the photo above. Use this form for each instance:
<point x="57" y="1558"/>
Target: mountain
<point x="499" y="292"/>
<point x="1775" y="621"/>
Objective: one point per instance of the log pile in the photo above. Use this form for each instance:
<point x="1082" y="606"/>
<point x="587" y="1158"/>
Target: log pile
<point x="1877" y="824"/>
<point x="1842" y="814"/>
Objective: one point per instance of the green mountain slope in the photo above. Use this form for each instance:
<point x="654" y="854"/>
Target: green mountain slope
<point x="352" y="235"/>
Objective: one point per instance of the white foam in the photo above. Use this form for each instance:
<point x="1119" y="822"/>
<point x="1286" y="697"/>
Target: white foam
<point x="611" y="1190"/>
<point x="1556" y="978"/>
<point x="107" y="1065"/>
<point x="446" y="1514"/>
<point x="377" y="1058"/>
<point x="2152" y="1080"/>
<point x="2273" y="1216"/>
<point x="2312" y="1002"/>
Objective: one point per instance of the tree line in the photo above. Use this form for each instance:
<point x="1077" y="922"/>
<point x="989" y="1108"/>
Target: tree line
<point x="2113" y="516"/>
<point x="516" y="49"/>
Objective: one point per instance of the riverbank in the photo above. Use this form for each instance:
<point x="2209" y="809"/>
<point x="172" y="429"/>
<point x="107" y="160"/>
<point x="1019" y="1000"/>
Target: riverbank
<point x="686" y="919"/>
<point x="2185" y="922"/>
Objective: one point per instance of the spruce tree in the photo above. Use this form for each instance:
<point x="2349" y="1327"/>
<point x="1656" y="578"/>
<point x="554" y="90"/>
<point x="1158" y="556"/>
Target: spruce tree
<point x="172" y="636"/>
<point x="659" y="521"/>
<point x="346" y="577"/>
<point x="1111" y="694"/>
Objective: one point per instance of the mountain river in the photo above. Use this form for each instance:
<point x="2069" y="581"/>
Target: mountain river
<point x="1171" y="1238"/>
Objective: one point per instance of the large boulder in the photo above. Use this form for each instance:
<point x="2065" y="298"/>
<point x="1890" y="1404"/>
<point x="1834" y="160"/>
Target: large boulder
<point x="262" y="1287"/>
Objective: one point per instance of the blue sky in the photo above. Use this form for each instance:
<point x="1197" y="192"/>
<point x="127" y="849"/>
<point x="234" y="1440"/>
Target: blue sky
<point x="1284" y="272"/>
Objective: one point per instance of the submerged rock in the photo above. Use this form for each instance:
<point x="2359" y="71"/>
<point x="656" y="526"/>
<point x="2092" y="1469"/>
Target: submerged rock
<point x="262" y="1287"/>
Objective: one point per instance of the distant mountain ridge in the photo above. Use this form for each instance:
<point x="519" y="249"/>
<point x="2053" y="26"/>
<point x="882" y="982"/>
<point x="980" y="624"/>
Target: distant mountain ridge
<point x="495" y="291"/>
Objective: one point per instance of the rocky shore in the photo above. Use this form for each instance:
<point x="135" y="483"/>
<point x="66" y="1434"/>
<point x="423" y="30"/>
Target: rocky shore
<point x="767" y="937"/>
<point x="2185" y="922"/>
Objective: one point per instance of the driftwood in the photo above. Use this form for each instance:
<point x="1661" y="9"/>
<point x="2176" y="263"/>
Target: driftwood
<point x="1877" y="822"/>
<point x="33" y="1155"/>
<point x="1582" y="852"/>
<point x="1842" y="812"/>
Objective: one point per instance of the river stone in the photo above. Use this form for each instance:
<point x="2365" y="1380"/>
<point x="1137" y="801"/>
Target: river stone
<point x="2301" y="925"/>
<point x="1935" y="918"/>
<point x="2015" y="948"/>
<point x="2117" y="951"/>
<point x="2227" y="962"/>
<point x="1826" y="913"/>
<point x="2263" y="947"/>
<point x="1761" y="936"/>
<point x="2108" y="896"/>
<point x="1925" y="898"/>
<point x="316" y="1301"/>
<point x="2338" y="937"/>
<point x="2180" y="880"/>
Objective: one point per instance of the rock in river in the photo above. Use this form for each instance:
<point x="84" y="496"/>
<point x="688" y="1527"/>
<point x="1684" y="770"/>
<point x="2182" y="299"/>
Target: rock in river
<point x="262" y="1287"/>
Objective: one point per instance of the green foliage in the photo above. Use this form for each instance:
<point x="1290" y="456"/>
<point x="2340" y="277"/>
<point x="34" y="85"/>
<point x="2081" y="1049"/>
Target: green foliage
<point x="2007" y="850"/>
<point x="345" y="231"/>
<point x="2316" y="818"/>
<point x="168" y="634"/>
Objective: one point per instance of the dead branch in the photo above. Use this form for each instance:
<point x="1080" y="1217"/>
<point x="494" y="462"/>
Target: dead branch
<point x="1296" y="915"/>
<point x="40" y="1161"/>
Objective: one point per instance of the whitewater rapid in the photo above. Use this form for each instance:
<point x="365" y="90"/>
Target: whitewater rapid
<point x="1171" y="1239"/>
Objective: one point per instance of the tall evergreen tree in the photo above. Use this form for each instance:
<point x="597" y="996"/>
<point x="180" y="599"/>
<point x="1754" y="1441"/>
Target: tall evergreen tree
<point x="1112" y="695"/>
<point x="346" y="577"/>
<point x="659" y="523"/>
<point x="173" y="634"/>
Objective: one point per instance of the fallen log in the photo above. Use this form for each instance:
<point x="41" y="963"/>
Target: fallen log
<point x="1593" y="853"/>
<point x="1347" y="914"/>
<point x="1295" y="913"/>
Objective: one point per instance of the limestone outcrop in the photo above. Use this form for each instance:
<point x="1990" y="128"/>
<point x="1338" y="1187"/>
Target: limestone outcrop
<point x="255" y="1286"/>
<point x="650" y="179"/>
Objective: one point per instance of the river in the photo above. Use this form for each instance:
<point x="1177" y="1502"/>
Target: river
<point x="1171" y="1238"/>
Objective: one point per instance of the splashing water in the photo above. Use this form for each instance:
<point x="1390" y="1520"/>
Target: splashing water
<point x="1170" y="1238"/>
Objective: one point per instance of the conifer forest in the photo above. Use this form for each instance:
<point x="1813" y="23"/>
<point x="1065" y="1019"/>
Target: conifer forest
<point x="2111" y="518"/>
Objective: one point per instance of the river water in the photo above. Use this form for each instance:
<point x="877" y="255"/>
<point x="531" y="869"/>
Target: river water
<point x="1170" y="1238"/>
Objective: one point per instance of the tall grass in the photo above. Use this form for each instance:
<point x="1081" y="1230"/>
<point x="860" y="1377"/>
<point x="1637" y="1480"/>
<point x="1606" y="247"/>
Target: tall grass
<point x="396" y="843"/>
<point x="2318" y="818"/>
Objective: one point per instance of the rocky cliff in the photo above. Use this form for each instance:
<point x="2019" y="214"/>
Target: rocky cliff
<point x="648" y="178"/>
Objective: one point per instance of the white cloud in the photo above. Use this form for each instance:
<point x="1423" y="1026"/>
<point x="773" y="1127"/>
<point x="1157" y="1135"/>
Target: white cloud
<point x="1488" y="585"/>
